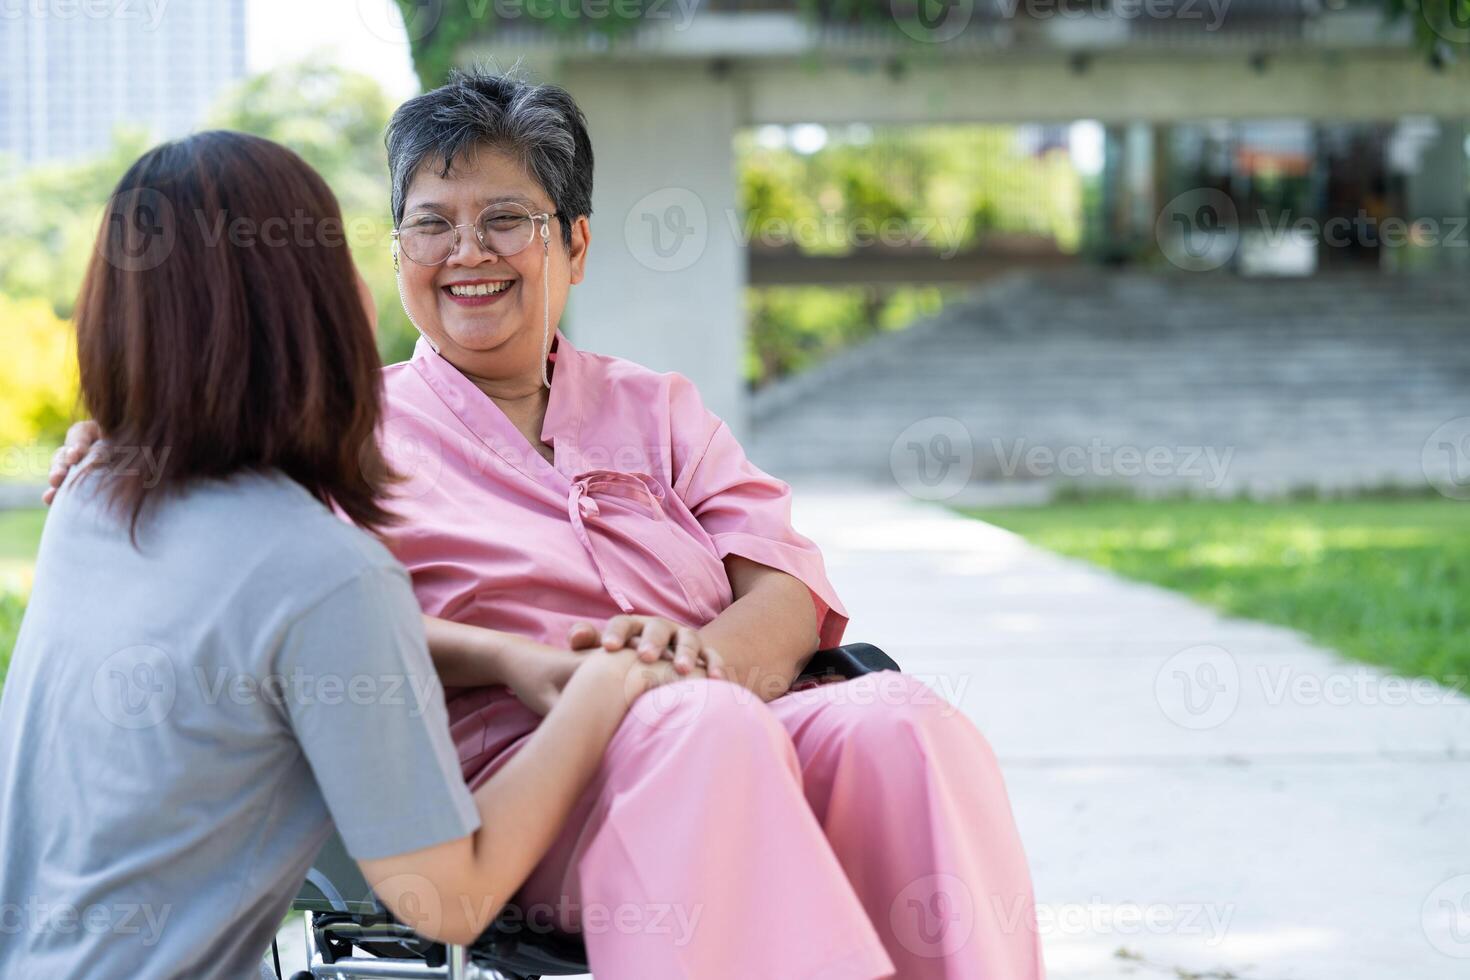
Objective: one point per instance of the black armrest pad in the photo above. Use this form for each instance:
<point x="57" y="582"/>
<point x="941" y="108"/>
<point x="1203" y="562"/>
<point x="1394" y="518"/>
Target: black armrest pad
<point x="849" y="660"/>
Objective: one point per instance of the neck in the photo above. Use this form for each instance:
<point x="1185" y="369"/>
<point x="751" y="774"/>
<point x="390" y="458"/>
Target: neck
<point x="523" y="401"/>
<point x="519" y="390"/>
<point x="519" y="386"/>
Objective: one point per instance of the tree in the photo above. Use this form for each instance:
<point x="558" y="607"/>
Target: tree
<point x="332" y="117"/>
<point x="51" y="222"/>
<point x="438" y="30"/>
<point x="38" y="374"/>
<point x="335" y="119"/>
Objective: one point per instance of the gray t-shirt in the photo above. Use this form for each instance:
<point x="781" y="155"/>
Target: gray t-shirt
<point x="183" y="721"/>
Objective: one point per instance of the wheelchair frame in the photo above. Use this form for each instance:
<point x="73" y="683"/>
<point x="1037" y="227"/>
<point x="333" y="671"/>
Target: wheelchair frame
<point x="336" y="926"/>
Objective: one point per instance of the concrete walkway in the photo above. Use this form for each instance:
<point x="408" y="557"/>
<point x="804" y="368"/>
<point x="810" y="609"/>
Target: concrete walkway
<point x="1195" y="793"/>
<point x="1200" y="797"/>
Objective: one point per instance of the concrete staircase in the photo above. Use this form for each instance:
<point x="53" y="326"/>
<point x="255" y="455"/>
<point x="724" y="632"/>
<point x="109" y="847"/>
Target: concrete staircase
<point x="1206" y="383"/>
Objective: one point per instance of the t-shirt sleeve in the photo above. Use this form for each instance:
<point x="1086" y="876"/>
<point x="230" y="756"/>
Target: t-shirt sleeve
<point x="367" y="708"/>
<point x="746" y="510"/>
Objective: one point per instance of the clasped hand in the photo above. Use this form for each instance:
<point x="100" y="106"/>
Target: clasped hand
<point x="536" y="673"/>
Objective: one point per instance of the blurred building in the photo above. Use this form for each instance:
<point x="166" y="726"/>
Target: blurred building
<point x="71" y="73"/>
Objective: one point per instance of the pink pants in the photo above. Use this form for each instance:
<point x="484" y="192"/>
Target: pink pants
<point x="848" y="832"/>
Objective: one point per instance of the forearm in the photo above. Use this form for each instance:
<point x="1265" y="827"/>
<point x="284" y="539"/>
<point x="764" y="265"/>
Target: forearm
<point x="524" y="806"/>
<point x="464" y="655"/>
<point x="452" y="891"/>
<point x="767" y="635"/>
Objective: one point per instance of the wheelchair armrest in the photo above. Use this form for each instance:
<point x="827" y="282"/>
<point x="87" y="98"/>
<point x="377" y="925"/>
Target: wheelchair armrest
<point x="849" y="660"/>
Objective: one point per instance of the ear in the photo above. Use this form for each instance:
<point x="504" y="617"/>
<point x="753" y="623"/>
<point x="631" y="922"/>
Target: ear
<point x="577" y="253"/>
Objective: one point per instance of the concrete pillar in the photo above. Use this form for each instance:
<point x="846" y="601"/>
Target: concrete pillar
<point x="667" y="270"/>
<point x="1128" y="203"/>
<point x="1139" y="177"/>
<point x="1161" y="186"/>
<point x="1436" y="190"/>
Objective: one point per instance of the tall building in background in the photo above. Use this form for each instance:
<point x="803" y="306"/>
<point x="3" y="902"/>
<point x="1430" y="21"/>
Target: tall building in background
<point x="68" y="80"/>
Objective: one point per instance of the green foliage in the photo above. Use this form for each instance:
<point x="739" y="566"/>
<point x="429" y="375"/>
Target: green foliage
<point x="937" y="187"/>
<point x="12" y="608"/>
<point x="866" y="195"/>
<point x="332" y="117"/>
<point x="335" y="119"/>
<point x="38" y="383"/>
<point x="20" y="535"/>
<point x="441" y="47"/>
<point x="792" y="328"/>
<point x="1441" y="27"/>
<point x="1380" y="580"/>
<point x="773" y="185"/>
<point x="51" y="222"/>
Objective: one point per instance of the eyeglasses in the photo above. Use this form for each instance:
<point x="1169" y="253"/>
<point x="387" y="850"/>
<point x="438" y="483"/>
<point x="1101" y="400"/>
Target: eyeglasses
<point x="427" y="238"/>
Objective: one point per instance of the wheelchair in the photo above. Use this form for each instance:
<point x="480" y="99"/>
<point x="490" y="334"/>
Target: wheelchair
<point x="350" y="937"/>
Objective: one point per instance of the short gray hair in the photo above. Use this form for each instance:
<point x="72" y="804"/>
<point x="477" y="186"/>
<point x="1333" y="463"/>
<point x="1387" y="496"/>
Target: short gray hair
<point x="540" y="125"/>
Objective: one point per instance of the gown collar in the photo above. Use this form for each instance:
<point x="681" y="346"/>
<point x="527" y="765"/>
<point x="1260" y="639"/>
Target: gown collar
<point x="479" y="413"/>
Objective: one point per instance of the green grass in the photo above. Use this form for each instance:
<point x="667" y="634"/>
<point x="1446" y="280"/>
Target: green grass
<point x="1386" y="581"/>
<point x="20" y="533"/>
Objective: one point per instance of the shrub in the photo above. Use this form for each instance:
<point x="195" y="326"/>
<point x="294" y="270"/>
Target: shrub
<point x="38" y="373"/>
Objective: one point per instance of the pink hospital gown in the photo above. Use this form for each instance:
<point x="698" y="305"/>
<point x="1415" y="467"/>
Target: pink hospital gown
<point x="823" y="834"/>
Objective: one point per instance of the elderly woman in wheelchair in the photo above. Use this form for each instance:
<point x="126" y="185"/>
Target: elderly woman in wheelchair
<point x="803" y="809"/>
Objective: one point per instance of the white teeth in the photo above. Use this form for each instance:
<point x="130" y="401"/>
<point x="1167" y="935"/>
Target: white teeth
<point x="480" y="289"/>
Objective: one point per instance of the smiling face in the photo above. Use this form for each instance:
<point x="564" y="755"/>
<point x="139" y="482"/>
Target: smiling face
<point x="484" y="311"/>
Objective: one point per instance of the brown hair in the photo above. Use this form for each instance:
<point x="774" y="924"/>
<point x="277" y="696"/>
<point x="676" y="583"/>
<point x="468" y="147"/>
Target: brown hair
<point x="220" y="329"/>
